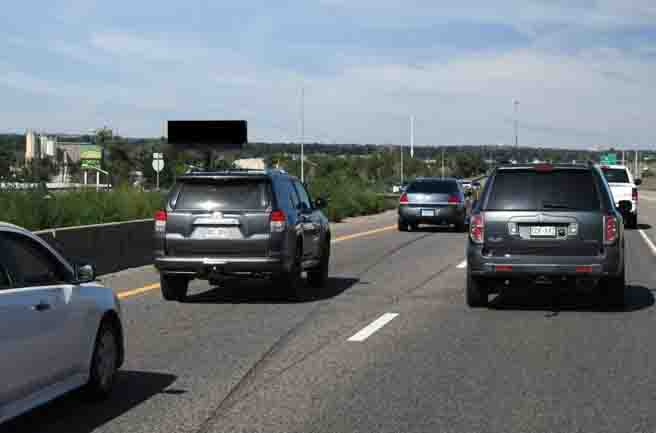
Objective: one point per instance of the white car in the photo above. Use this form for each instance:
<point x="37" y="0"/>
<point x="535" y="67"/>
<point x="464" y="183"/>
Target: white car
<point x="59" y="330"/>
<point x="623" y="187"/>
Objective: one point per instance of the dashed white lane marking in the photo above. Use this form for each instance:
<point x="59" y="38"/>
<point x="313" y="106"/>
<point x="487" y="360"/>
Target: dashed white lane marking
<point x="462" y="265"/>
<point x="648" y="241"/>
<point x="374" y="326"/>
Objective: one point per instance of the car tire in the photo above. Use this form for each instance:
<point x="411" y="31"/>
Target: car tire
<point x="632" y="221"/>
<point x="461" y="227"/>
<point x="291" y="280"/>
<point x="318" y="277"/>
<point x="403" y="227"/>
<point x="613" y="290"/>
<point x="104" y="362"/>
<point x="174" y="287"/>
<point x="476" y="292"/>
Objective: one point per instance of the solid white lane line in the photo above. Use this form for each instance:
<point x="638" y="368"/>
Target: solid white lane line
<point x="462" y="265"/>
<point x="648" y="241"/>
<point x="374" y="326"/>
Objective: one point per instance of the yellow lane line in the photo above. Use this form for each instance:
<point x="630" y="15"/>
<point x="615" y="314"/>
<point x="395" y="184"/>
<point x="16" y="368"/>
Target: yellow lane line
<point x="367" y="233"/>
<point x="139" y="291"/>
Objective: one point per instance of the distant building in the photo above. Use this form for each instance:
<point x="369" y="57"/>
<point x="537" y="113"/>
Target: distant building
<point x="32" y="146"/>
<point x="251" y="163"/>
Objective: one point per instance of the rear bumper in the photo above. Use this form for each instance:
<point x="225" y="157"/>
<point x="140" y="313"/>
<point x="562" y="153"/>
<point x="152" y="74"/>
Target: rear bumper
<point x="204" y="266"/>
<point x="442" y="214"/>
<point x="611" y="263"/>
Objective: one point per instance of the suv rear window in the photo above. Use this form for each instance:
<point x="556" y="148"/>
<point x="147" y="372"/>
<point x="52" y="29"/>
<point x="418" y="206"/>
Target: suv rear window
<point x="433" y="187"/>
<point x="531" y="190"/>
<point x="224" y="194"/>
<point x="615" y="175"/>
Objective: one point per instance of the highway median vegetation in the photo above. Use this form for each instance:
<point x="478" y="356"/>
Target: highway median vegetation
<point x="38" y="209"/>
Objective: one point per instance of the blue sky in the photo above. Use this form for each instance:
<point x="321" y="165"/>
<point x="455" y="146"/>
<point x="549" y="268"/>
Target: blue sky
<point x="583" y="71"/>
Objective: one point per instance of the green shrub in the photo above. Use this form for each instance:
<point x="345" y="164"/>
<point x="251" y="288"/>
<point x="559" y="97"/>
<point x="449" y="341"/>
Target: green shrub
<point x="37" y="209"/>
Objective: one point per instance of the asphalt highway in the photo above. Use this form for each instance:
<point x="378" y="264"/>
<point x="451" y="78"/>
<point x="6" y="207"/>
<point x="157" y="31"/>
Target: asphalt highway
<point x="389" y="346"/>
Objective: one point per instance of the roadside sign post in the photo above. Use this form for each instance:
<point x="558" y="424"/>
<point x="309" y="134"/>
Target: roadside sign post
<point x="158" y="165"/>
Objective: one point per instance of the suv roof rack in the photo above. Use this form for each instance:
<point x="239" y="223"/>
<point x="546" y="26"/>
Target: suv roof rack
<point x="233" y="171"/>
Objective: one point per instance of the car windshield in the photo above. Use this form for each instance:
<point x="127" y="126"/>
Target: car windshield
<point x="615" y="175"/>
<point x="532" y="190"/>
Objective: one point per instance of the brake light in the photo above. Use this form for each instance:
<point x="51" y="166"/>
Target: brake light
<point x="635" y="195"/>
<point x="610" y="229"/>
<point x="477" y="228"/>
<point x="278" y="221"/>
<point x="544" y="167"/>
<point x="403" y="199"/>
<point x="160" y="221"/>
<point x="454" y="199"/>
<point x="503" y="268"/>
<point x="584" y="269"/>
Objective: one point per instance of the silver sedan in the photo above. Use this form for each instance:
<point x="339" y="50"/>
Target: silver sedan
<point x="59" y="330"/>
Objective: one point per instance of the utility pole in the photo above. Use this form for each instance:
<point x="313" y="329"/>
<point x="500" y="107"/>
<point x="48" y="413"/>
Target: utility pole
<point x="401" y="164"/>
<point x="412" y="136"/>
<point x="516" y="107"/>
<point x="302" y="133"/>
<point x="442" y="162"/>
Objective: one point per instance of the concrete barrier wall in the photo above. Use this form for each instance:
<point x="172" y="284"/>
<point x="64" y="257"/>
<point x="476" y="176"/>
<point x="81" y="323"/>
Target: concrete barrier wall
<point x="109" y="247"/>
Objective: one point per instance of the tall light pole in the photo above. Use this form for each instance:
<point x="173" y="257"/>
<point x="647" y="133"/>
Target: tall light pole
<point x="302" y="133"/>
<point x="412" y="136"/>
<point x="442" y="162"/>
<point x="516" y="107"/>
<point x="401" y="164"/>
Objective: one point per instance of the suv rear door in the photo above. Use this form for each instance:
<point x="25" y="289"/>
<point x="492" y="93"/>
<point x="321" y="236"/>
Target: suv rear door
<point x="552" y="213"/>
<point x="433" y="192"/>
<point x="225" y="216"/>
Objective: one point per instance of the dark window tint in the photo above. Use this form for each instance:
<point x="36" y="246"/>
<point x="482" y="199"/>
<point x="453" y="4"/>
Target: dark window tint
<point x="433" y="187"/>
<point x="30" y="264"/>
<point x="530" y="190"/>
<point x="224" y="194"/>
<point x="615" y="175"/>
<point x="303" y="195"/>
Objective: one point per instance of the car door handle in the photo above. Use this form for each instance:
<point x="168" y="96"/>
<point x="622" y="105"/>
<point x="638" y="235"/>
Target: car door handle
<point x="41" y="306"/>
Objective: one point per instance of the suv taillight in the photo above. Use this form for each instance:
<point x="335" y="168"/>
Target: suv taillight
<point x="403" y="199"/>
<point x="635" y="195"/>
<point x="160" y="221"/>
<point x="278" y="221"/>
<point x="611" y="229"/>
<point x="477" y="228"/>
<point x="454" y="199"/>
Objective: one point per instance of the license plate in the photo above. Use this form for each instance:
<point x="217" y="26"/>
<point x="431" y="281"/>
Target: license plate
<point x="543" y="231"/>
<point x="215" y="233"/>
<point x="427" y="212"/>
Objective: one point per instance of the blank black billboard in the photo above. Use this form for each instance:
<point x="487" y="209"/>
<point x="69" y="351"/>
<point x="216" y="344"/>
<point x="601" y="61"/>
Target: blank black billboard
<point x="215" y="134"/>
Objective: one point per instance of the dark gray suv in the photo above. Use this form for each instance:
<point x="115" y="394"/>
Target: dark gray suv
<point x="240" y="223"/>
<point x="436" y="201"/>
<point x="543" y="225"/>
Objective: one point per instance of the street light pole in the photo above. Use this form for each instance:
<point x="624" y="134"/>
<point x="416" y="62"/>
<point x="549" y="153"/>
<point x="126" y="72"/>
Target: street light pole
<point x="401" y="164"/>
<point x="442" y="162"/>
<point x="516" y="107"/>
<point x="302" y="133"/>
<point x="412" y="136"/>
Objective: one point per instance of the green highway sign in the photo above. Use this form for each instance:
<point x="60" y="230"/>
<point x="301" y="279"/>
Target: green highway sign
<point x="609" y="159"/>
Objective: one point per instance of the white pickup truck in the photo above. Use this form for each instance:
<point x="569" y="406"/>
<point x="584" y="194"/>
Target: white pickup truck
<point x="623" y="187"/>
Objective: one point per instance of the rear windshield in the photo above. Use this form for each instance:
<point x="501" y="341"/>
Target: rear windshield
<point x="556" y="190"/>
<point x="224" y="194"/>
<point x="429" y="187"/>
<point x="615" y="175"/>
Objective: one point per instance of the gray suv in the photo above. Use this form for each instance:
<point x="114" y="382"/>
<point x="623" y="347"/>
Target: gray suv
<point x="543" y="225"/>
<point x="241" y="223"/>
<point x="436" y="201"/>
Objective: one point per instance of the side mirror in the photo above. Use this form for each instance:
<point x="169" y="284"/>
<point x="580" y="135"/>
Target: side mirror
<point x="638" y="182"/>
<point x="625" y="206"/>
<point x="84" y="274"/>
<point x="468" y="193"/>
<point x="320" y="203"/>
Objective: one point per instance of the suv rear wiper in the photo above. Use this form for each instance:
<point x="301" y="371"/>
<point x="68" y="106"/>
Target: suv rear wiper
<point x="555" y="205"/>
